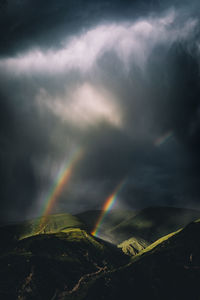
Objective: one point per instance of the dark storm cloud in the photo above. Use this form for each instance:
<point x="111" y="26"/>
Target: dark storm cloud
<point x="128" y="76"/>
<point x="33" y="142"/>
<point x="21" y="141"/>
<point x="28" y="23"/>
<point x="32" y="23"/>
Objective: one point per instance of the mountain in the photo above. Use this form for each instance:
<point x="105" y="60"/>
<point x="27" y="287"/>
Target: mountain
<point x="51" y="224"/>
<point x="49" y="266"/>
<point x="167" y="269"/>
<point x="133" y="246"/>
<point x="114" y="218"/>
<point x="64" y="261"/>
<point x="152" y="223"/>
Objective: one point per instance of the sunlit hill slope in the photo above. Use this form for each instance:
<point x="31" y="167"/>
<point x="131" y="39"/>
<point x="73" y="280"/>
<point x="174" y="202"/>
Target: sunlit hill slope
<point x="57" y="257"/>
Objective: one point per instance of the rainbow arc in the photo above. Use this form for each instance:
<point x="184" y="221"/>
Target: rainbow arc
<point x="164" y="138"/>
<point x="108" y="204"/>
<point x="57" y="187"/>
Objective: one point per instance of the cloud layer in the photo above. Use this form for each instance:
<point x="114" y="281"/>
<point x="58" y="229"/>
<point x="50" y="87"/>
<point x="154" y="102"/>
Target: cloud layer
<point x="129" y="40"/>
<point x="124" y="88"/>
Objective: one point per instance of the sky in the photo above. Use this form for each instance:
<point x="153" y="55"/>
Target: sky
<point x="116" y="80"/>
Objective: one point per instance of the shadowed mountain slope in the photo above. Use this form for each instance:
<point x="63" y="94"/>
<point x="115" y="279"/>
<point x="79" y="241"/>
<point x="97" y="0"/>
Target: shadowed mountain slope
<point x="112" y="219"/>
<point x="152" y="223"/>
<point x="169" y="269"/>
<point x="45" y="265"/>
<point x="71" y="264"/>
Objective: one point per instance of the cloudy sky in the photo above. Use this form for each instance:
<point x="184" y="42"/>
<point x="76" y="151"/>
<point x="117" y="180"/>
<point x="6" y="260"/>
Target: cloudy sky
<point x="116" y="80"/>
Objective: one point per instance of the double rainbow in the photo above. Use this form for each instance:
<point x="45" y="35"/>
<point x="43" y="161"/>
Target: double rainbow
<point x="110" y="201"/>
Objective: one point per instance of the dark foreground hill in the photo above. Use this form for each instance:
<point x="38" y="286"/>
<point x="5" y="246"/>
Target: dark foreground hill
<point x="49" y="266"/>
<point x="168" y="269"/>
<point x="65" y="262"/>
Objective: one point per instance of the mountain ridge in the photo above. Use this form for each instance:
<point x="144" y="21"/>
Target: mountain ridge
<point x="68" y="263"/>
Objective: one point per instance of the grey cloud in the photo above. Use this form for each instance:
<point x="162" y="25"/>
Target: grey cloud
<point x="155" y="96"/>
<point x="31" y="23"/>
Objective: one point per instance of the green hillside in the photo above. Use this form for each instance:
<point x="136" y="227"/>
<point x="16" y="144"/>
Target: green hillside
<point x="47" y="266"/>
<point x="133" y="246"/>
<point x="53" y="223"/>
<point x="152" y="223"/>
<point x="66" y="262"/>
<point x="169" y="269"/>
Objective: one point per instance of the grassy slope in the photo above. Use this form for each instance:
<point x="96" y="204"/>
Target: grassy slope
<point x="154" y="222"/>
<point x="48" y="265"/>
<point x="168" y="269"/>
<point x="53" y="223"/>
<point x="71" y="264"/>
<point x="133" y="246"/>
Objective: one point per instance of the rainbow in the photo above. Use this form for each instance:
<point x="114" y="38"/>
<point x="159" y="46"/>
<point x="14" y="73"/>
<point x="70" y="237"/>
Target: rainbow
<point x="57" y="187"/>
<point x="164" y="138"/>
<point x="108" y="204"/>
